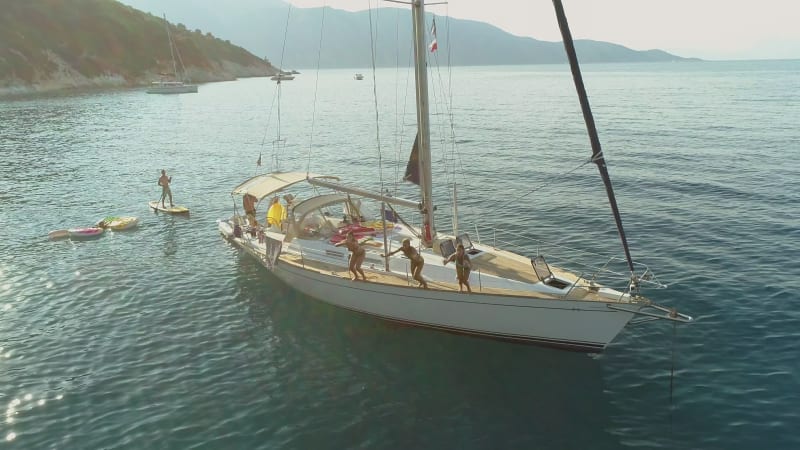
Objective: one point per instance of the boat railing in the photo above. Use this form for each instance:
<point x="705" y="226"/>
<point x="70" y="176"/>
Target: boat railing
<point x="594" y="268"/>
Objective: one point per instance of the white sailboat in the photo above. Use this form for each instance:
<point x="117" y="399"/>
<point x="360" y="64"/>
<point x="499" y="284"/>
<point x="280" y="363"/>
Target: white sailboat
<point x="282" y="76"/>
<point x="515" y="297"/>
<point x="174" y="83"/>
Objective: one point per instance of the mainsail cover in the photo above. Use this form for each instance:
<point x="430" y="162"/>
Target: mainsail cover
<point x="412" y="169"/>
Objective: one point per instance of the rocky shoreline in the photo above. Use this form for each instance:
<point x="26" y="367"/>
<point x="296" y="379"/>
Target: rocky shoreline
<point x="66" y="79"/>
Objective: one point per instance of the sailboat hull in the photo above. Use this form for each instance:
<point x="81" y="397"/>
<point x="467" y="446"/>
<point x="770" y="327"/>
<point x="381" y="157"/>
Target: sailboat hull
<point x="584" y="326"/>
<point x="172" y="89"/>
<point x="578" y="326"/>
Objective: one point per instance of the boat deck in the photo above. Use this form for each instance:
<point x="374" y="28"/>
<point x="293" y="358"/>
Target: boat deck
<point x="489" y="264"/>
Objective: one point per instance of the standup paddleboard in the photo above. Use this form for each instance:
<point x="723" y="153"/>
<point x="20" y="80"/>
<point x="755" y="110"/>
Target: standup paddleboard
<point x="172" y="210"/>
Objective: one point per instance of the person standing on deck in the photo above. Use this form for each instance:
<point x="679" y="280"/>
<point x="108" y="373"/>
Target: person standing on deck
<point x="275" y="213"/>
<point x="463" y="266"/>
<point x="164" y="182"/>
<point x="249" y="201"/>
<point x="417" y="262"/>
<point x="289" y="198"/>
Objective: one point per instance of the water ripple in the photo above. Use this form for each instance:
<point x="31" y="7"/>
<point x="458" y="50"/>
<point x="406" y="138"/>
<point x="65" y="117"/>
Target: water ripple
<point x="166" y="337"/>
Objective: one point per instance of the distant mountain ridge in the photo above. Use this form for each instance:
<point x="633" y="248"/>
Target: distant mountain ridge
<point x="50" y="44"/>
<point x="260" y="26"/>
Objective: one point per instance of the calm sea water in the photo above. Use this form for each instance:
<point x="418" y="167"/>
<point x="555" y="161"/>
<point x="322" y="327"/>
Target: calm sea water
<point x="166" y="337"/>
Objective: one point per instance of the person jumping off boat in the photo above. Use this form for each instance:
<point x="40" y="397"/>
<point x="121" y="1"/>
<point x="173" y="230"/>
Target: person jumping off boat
<point x="463" y="267"/>
<point x="164" y="182"/>
<point x="417" y="261"/>
<point x="357" y="255"/>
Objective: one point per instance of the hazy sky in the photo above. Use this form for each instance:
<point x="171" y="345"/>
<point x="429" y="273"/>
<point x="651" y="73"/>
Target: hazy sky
<point x="709" y="29"/>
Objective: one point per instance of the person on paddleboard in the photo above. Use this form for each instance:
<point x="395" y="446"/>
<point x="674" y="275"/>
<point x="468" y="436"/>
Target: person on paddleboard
<point x="164" y="182"/>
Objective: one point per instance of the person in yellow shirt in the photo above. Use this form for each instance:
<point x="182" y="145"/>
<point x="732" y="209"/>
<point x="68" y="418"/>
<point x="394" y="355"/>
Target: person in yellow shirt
<point x="275" y="213"/>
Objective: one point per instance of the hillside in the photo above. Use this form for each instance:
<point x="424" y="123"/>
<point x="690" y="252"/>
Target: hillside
<point x="259" y="26"/>
<point x="54" y="44"/>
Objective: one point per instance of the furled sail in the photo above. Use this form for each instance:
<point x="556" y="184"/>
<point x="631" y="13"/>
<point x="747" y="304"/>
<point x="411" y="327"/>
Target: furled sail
<point x="597" y="152"/>
<point x="412" y="169"/>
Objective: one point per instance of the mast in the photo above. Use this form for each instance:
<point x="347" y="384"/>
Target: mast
<point x="276" y="144"/>
<point x="597" y="152"/>
<point x="423" y="122"/>
<point x="455" y="209"/>
<point x="171" y="51"/>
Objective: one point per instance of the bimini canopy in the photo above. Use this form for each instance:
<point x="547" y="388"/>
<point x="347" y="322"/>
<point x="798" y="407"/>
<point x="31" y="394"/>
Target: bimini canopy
<point x="364" y="193"/>
<point x="314" y="203"/>
<point x="261" y="186"/>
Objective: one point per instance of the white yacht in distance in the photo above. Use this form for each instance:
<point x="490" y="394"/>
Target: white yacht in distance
<point x="171" y="87"/>
<point x="172" y="83"/>
<point x="283" y="76"/>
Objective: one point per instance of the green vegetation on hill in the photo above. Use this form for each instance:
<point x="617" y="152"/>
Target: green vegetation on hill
<point x="41" y="40"/>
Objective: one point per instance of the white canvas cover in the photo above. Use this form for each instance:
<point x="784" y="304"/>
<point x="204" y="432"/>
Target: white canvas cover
<point x="261" y="186"/>
<point x="314" y="203"/>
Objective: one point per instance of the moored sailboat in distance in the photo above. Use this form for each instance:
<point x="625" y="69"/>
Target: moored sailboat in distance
<point x="167" y="86"/>
<point x="515" y="297"/>
<point x="173" y="83"/>
<point x="281" y="77"/>
<point x="284" y="75"/>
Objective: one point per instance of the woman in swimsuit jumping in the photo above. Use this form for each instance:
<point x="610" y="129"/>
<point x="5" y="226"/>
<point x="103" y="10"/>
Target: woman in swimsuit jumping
<point x="416" y="261"/>
<point x="356" y="257"/>
<point x="463" y="266"/>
